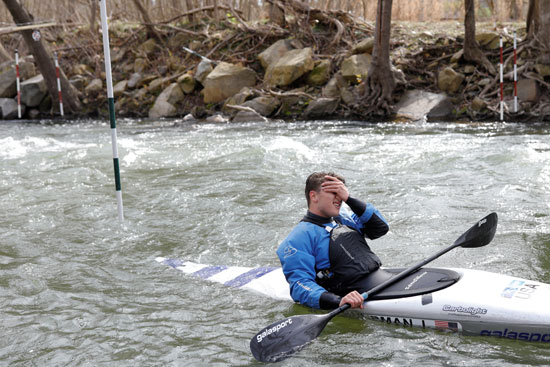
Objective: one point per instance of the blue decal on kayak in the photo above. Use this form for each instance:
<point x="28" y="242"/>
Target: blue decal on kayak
<point x="512" y="288"/>
<point x="209" y="271"/>
<point x="249" y="276"/>
<point x="172" y="262"/>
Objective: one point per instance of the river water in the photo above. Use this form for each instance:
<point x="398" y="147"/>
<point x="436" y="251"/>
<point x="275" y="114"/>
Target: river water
<point x="80" y="288"/>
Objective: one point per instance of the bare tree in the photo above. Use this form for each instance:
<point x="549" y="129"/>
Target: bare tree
<point x="190" y="6"/>
<point x="44" y="60"/>
<point x="151" y="31"/>
<point x="472" y="51"/>
<point x="543" y="34"/>
<point x="380" y="81"/>
<point x="93" y="16"/>
<point x="4" y="55"/>
<point x="532" y="18"/>
<point x="276" y="13"/>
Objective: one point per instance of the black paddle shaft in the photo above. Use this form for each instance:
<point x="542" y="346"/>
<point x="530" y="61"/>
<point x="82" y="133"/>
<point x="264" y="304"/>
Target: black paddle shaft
<point x="480" y="234"/>
<point x="283" y="338"/>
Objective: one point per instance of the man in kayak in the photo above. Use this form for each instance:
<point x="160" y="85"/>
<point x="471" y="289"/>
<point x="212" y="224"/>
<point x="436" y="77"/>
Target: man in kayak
<point x="326" y="259"/>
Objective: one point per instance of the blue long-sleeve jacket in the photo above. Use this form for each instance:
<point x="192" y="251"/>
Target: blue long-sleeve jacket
<point x="306" y="249"/>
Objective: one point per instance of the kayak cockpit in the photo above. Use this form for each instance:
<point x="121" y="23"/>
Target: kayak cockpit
<point x="422" y="281"/>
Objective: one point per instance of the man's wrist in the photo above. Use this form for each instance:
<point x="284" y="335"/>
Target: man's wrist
<point x="329" y="301"/>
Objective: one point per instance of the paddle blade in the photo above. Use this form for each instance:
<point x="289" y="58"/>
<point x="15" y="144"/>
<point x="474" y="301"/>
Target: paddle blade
<point x="480" y="234"/>
<point x="284" y="338"/>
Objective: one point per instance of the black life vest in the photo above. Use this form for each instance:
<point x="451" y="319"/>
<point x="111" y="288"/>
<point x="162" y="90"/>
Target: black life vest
<point x="351" y="259"/>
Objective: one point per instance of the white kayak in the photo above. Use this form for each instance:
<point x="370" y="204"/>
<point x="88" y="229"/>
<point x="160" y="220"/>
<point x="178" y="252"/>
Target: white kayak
<point x="468" y="301"/>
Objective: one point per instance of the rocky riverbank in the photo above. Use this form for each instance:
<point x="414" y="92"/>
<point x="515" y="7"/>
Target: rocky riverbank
<point x="255" y="73"/>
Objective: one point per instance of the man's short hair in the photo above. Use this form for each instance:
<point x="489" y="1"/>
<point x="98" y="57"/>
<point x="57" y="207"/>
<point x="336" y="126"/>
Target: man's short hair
<point x="314" y="181"/>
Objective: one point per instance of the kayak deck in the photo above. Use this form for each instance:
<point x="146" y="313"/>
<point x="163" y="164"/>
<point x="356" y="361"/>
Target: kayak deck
<point x="471" y="302"/>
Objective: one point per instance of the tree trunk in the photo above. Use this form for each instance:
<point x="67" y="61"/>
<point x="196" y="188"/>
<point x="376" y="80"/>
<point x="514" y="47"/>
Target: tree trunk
<point x="44" y="60"/>
<point x="380" y="82"/>
<point x="151" y="31"/>
<point x="93" y="17"/>
<point x="4" y="55"/>
<point x="216" y="12"/>
<point x="472" y="52"/>
<point x="544" y="31"/>
<point x="277" y="13"/>
<point x="189" y="4"/>
<point x="532" y="22"/>
<point x="515" y="11"/>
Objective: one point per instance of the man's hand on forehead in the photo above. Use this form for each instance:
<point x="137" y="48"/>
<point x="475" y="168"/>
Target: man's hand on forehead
<point x="334" y="185"/>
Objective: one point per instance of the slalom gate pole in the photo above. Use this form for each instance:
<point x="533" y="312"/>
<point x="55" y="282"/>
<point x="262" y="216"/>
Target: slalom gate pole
<point x="501" y="83"/>
<point x="57" y="75"/>
<point x="111" y="101"/>
<point x="18" y="82"/>
<point x="515" y="74"/>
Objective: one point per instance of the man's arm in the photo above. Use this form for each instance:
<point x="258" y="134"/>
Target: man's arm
<point x="368" y="219"/>
<point x="298" y="265"/>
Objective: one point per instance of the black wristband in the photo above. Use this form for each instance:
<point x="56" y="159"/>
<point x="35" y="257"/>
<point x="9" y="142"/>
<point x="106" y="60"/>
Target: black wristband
<point x="356" y="205"/>
<point x="329" y="301"/>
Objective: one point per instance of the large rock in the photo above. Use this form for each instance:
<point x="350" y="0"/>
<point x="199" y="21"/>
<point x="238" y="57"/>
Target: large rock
<point x="291" y="66"/>
<point x="348" y="97"/>
<point x="33" y="91"/>
<point x="8" y="88"/>
<point x="264" y="105"/>
<point x="95" y="87"/>
<point x="204" y="68"/>
<point x="120" y="88"/>
<point x="365" y="46"/>
<point x="274" y="52"/>
<point x="248" y="116"/>
<point x="332" y="89"/>
<point x="8" y="108"/>
<point x="148" y="47"/>
<point x="457" y="56"/>
<point x="158" y="84"/>
<point x="528" y="90"/>
<point x="543" y="70"/>
<point x="227" y="80"/>
<point x="140" y="64"/>
<point x="320" y="73"/>
<point x="82" y="69"/>
<point x="449" y="80"/>
<point x="294" y="104"/>
<point x="418" y="104"/>
<point x="187" y="83"/>
<point x="27" y="70"/>
<point x="135" y="80"/>
<point x="356" y="67"/>
<point x="162" y="109"/>
<point x="478" y="104"/>
<point x="490" y="40"/>
<point x="321" y="108"/>
<point x="238" y="99"/>
<point x="165" y="104"/>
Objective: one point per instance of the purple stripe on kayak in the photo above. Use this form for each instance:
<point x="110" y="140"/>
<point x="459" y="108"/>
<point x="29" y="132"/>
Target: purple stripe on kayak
<point x="207" y="272"/>
<point x="249" y="276"/>
<point x="172" y="262"/>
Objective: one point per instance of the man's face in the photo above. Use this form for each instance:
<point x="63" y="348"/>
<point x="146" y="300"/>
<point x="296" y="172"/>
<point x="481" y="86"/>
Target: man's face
<point x="325" y="204"/>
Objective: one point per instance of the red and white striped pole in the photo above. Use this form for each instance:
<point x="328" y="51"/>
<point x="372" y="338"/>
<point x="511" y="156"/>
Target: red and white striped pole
<point x="515" y="75"/>
<point x="57" y="74"/>
<point x="18" y="83"/>
<point x="501" y="83"/>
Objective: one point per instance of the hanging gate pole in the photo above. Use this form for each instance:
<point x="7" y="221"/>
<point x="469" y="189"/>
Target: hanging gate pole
<point x="515" y="74"/>
<point x="58" y="77"/>
<point x="111" y="101"/>
<point x="501" y="82"/>
<point x="18" y="83"/>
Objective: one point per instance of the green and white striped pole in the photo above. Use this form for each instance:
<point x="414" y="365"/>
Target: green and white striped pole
<point x="111" y="100"/>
